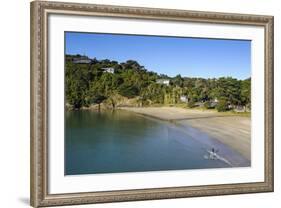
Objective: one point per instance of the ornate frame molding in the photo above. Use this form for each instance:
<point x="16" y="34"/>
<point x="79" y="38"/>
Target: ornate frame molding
<point x="39" y="103"/>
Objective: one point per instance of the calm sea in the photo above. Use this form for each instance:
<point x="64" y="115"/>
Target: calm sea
<point x="121" y="141"/>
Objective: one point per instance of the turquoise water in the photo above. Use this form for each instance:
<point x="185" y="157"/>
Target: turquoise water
<point x="121" y="141"/>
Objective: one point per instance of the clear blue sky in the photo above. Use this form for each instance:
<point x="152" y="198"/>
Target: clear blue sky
<point x="191" y="57"/>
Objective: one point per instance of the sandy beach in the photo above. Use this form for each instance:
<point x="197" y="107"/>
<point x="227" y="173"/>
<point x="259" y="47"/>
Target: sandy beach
<point x="232" y="130"/>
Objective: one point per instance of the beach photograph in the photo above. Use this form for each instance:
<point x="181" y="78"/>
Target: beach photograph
<point x="136" y="103"/>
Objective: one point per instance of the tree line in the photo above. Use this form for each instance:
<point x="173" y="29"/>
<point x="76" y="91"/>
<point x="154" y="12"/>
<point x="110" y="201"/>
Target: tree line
<point x="89" y="83"/>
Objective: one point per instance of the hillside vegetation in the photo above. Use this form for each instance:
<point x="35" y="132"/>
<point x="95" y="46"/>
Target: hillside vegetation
<point x="132" y="84"/>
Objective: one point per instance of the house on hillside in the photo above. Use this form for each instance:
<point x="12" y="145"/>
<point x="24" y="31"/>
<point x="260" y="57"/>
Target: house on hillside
<point x="184" y="99"/>
<point x="81" y="60"/>
<point x="108" y="70"/>
<point x="163" y="81"/>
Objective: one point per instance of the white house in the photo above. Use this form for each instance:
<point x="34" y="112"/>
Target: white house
<point x="216" y="100"/>
<point x="184" y="99"/>
<point x="163" y="81"/>
<point x="108" y="70"/>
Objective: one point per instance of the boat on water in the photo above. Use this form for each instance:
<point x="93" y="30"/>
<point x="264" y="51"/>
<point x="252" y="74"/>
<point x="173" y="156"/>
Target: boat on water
<point x="213" y="155"/>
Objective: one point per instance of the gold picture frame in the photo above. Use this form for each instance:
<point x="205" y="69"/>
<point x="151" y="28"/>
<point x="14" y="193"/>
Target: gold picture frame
<point x="39" y="103"/>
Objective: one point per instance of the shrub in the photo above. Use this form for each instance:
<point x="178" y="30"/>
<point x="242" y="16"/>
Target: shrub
<point x="222" y="106"/>
<point x="191" y="104"/>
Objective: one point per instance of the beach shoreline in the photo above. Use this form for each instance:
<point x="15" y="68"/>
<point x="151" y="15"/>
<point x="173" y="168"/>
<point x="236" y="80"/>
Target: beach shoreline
<point x="232" y="130"/>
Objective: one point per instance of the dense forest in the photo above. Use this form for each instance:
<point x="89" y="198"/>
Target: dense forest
<point x="90" y="82"/>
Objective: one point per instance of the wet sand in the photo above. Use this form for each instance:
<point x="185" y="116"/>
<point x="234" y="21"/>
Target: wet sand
<point x="230" y="129"/>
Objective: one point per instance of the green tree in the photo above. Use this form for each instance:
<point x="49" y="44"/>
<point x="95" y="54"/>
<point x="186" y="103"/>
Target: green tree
<point x="222" y="105"/>
<point x="246" y="92"/>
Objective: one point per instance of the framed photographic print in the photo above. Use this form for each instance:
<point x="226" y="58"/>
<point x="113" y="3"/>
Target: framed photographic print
<point x="140" y="103"/>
